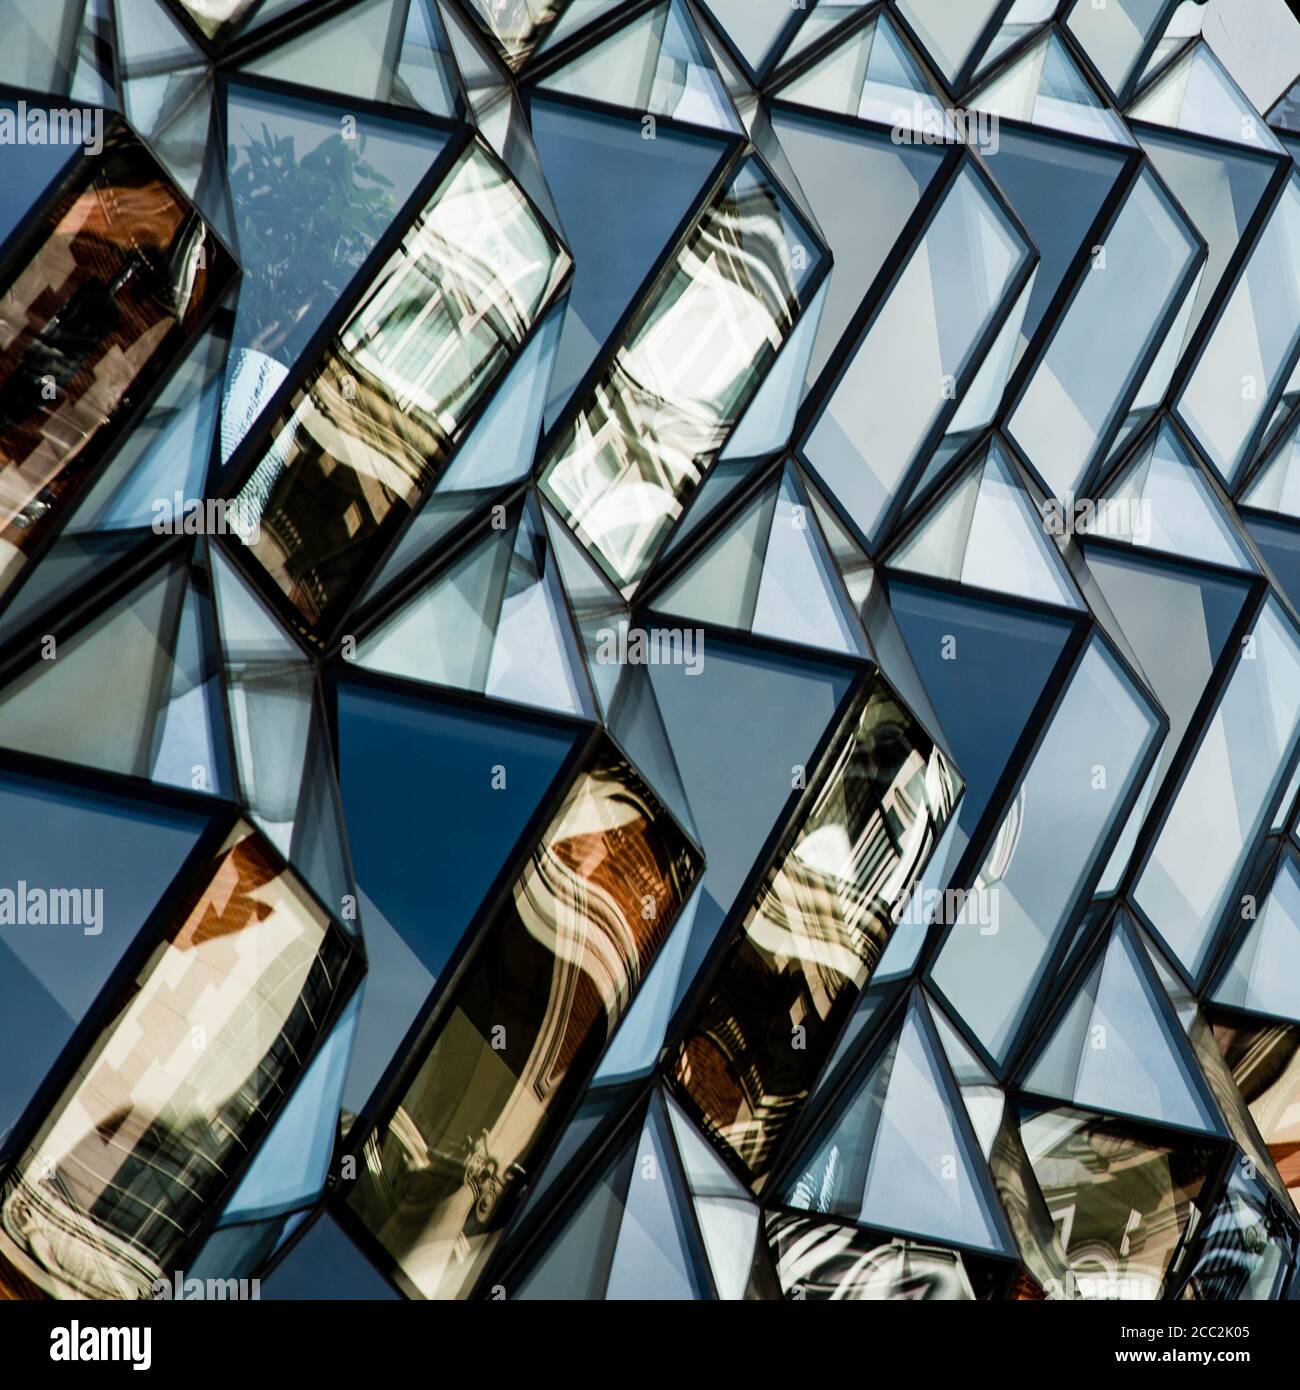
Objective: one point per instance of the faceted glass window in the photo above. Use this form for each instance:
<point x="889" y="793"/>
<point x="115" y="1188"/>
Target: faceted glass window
<point x="373" y="427"/>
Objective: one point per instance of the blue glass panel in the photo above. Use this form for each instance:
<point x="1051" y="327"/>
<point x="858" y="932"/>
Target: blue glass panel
<point x="986" y="692"/>
<point x="428" y="831"/>
<point x="288" y="154"/>
<point x="325" y="1264"/>
<point x="128" y="852"/>
<point x="621" y="198"/>
<point x="1280" y="546"/>
<point x="1057" y="189"/>
<point x="742" y="700"/>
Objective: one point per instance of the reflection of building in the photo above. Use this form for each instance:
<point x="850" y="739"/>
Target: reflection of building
<point x="552" y="973"/>
<point x="371" y="431"/>
<point x="816" y="932"/>
<point x="121" y="278"/>
<point x="147" y="1138"/>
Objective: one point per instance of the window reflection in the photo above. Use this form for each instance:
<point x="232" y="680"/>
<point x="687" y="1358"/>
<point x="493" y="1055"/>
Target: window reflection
<point x="816" y="932"/>
<point x="177" y="1089"/>
<point x="122" y="276"/>
<point x="623" y="470"/>
<point x="372" y="428"/>
<point x="552" y="974"/>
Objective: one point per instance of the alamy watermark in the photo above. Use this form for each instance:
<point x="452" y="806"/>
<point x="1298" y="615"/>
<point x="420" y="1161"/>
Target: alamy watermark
<point x="927" y="124"/>
<point x="57" y="125"/>
<point x="657" y="646"/>
<point x="953" y="907"/>
<point x="179" y="515"/>
<point x="1116" y="518"/>
<point x="53" y="907"/>
<point x="194" y="1290"/>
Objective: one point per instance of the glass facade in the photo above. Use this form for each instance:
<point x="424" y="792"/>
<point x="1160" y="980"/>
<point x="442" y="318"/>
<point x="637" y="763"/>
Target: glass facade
<point x="649" y="650"/>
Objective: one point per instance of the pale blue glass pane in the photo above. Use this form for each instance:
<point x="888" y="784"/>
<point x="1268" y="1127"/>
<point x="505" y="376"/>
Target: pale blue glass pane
<point x="1048" y="848"/>
<point x="1227" y="796"/>
<point x="1077" y="391"/>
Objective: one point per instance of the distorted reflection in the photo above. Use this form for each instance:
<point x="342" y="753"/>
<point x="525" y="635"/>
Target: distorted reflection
<point x="551" y="975"/>
<point x="177" y="1089"/>
<point x="816" y="932"/>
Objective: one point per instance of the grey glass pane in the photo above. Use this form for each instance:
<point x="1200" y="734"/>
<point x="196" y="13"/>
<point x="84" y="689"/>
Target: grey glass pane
<point x="1047" y="848"/>
<point x="904" y="373"/>
<point x="1227" y="796"/>
<point x="1076" y="391"/>
<point x="1236" y="382"/>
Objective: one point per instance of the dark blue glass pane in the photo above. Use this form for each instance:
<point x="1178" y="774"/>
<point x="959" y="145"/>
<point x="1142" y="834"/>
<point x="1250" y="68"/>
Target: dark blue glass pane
<point x="428" y="831"/>
<point x="326" y="1265"/>
<point x="1280" y="545"/>
<point x="1057" y="189"/>
<point x="28" y="171"/>
<point x="984" y="694"/>
<point x="621" y="198"/>
<point x="739" y="730"/>
<point x="123" y="854"/>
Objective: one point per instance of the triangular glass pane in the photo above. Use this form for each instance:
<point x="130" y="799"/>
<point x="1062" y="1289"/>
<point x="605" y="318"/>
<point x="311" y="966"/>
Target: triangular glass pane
<point x="1046" y="87"/>
<point x="727" y="1214"/>
<point x="1198" y="96"/>
<point x="658" y="65"/>
<point x="1162" y="502"/>
<point x="621" y="199"/>
<point x="134" y="692"/>
<point x="721" y="584"/>
<point x="871" y="76"/>
<point x="349" y="54"/>
<point x="949" y="32"/>
<point x="800" y="598"/>
<point x="656" y="1255"/>
<point x="1264" y="973"/>
<point x="410" y="848"/>
<point x="1129" y="1055"/>
<point x="1276" y="488"/>
<point x="984" y="698"/>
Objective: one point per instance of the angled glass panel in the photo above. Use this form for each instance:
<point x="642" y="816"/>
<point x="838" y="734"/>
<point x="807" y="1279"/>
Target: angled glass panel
<point x="1235" y="385"/>
<point x="622" y="199"/>
<point x="620" y="473"/>
<point x="1121" y="1195"/>
<point x="1076" y="393"/>
<point x="657" y="64"/>
<point x="1263" y="975"/>
<point x="1046" y="87"/>
<point x="1276" y="487"/>
<point x="1002" y="660"/>
<point x="862" y="188"/>
<point x="815" y="933"/>
<point x="371" y="428"/>
<point x="127" y="854"/>
<point x="949" y="33"/>
<point x="901" y="1157"/>
<point x="1197" y="95"/>
<point x="1161" y="501"/>
<point x="1046" y="851"/>
<point x="149" y="1133"/>
<point x="556" y="967"/>
<point x="120" y="274"/>
<point x="1113" y="35"/>
<point x="287" y="153"/>
<point x="900" y="380"/>
<point x="1178" y="621"/>
<point x="872" y="76"/>
<point x="1227" y="795"/>
<point x="1118" y="1047"/>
